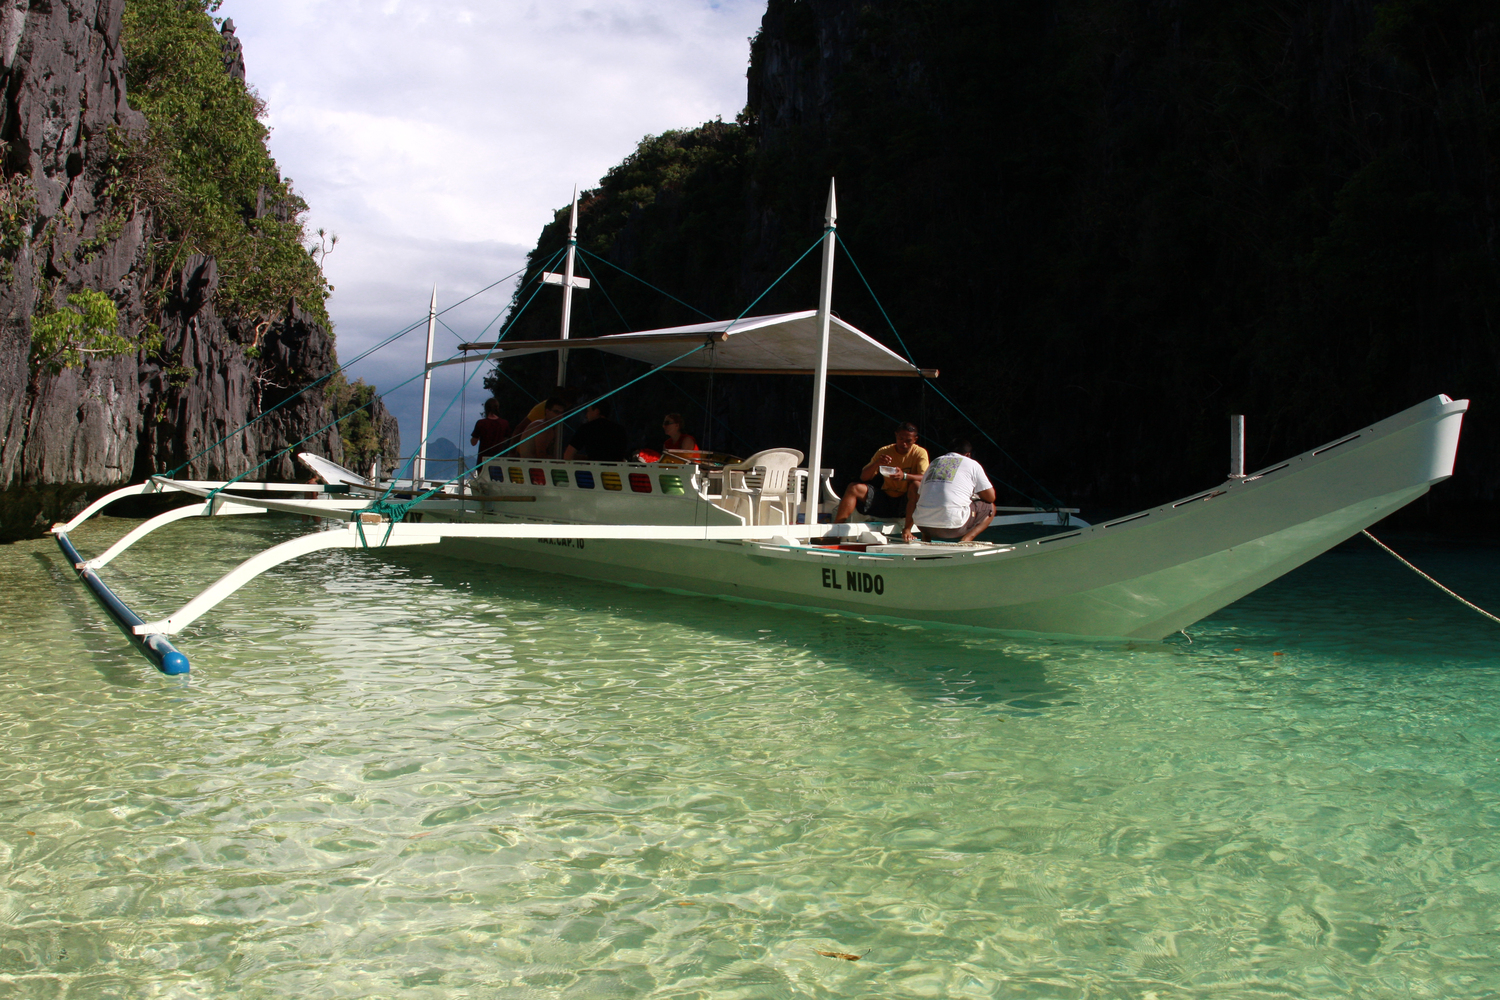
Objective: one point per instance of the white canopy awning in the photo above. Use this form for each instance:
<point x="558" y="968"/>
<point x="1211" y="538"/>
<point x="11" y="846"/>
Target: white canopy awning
<point x="785" y="344"/>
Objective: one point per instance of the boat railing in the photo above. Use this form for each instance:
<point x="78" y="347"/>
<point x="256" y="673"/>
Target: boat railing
<point x="742" y="492"/>
<point x="638" y="478"/>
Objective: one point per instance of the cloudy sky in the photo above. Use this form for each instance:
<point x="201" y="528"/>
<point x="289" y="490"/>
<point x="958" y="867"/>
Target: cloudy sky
<point x="437" y="137"/>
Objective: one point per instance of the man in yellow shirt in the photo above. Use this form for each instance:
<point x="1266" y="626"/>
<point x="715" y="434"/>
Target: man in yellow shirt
<point x="883" y="497"/>
<point x="537" y="442"/>
<point x="562" y="392"/>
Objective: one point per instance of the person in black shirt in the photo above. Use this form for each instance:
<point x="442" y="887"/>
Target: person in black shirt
<point x="600" y="439"/>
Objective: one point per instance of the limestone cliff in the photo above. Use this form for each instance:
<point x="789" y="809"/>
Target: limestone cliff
<point x="1109" y="225"/>
<point x="65" y="225"/>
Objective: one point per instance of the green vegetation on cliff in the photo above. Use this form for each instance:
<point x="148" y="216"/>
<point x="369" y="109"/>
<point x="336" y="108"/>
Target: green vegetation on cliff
<point x="350" y="403"/>
<point x="205" y="167"/>
<point x="87" y="326"/>
<point x="672" y="208"/>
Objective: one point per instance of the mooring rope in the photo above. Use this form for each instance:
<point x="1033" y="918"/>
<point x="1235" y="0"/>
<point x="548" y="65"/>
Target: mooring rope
<point x="1428" y="578"/>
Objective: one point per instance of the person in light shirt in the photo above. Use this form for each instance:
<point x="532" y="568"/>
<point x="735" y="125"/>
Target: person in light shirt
<point x="954" y="501"/>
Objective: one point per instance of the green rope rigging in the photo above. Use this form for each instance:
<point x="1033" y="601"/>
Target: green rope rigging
<point x="510" y="325"/>
<point x="783" y="274"/>
<point x="643" y="281"/>
<point x="323" y="378"/>
<point x="623" y="321"/>
<point x="396" y="510"/>
<point x="371" y="402"/>
<point x="1054" y="501"/>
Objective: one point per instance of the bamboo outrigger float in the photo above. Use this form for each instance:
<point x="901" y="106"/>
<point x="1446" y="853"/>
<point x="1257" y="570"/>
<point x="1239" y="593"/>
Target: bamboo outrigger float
<point x="751" y="530"/>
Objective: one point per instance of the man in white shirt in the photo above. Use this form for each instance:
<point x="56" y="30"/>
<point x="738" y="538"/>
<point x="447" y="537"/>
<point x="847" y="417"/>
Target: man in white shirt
<point x="954" y="500"/>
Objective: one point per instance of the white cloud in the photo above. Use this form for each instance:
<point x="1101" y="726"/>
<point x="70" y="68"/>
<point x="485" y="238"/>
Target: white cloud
<point x="437" y="137"/>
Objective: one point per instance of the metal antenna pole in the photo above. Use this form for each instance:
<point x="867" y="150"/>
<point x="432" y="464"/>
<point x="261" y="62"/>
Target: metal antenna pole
<point x="1237" y="446"/>
<point x="420" y="472"/>
<point x="820" y="377"/>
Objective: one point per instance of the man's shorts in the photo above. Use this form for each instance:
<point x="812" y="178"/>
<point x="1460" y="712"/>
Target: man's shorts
<point x="881" y="505"/>
<point x="978" y="511"/>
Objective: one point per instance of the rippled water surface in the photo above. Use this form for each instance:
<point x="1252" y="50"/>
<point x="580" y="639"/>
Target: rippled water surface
<point x="409" y="778"/>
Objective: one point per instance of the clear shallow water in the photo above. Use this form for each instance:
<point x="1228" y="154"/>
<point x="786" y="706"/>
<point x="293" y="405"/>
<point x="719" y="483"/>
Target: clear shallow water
<point x="423" y="779"/>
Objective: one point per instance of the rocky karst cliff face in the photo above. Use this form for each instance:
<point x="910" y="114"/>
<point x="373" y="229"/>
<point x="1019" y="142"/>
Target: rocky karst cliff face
<point x="66" y="226"/>
<point x="185" y="414"/>
<point x="798" y="55"/>
<point x="1109" y="225"/>
<point x="63" y="92"/>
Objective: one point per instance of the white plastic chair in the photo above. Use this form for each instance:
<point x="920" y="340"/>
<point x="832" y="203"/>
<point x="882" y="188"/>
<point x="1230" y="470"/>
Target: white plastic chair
<point x="764" y="479"/>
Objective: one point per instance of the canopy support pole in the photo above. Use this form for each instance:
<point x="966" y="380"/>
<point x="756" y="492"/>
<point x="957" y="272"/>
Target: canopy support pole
<point x="820" y="376"/>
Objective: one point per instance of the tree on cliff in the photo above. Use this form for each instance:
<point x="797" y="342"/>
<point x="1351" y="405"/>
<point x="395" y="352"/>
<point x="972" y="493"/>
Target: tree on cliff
<point x="88" y="326"/>
<point x="206" y="168"/>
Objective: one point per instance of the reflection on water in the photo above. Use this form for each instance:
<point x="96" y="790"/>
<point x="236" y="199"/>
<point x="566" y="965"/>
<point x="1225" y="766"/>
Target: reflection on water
<point x="396" y="776"/>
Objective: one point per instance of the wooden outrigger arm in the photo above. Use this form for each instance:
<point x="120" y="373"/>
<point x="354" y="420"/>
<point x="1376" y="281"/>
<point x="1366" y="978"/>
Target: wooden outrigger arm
<point x="258" y="564"/>
<point x="221" y="506"/>
<point x="383" y="534"/>
<point x="362" y="529"/>
<point x="153" y="642"/>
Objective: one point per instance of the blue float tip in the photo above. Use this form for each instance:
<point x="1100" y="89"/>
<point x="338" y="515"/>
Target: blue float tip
<point x="166" y="656"/>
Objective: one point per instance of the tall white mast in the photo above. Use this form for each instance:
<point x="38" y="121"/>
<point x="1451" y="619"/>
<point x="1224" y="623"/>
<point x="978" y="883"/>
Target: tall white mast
<point x="567" y="312"/>
<point x="820" y="377"/>
<point x="420" y="471"/>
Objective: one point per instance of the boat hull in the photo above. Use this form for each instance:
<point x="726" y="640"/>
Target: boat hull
<point x="1145" y="576"/>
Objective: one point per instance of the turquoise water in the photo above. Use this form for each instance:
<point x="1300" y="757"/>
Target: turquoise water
<point x="423" y="779"/>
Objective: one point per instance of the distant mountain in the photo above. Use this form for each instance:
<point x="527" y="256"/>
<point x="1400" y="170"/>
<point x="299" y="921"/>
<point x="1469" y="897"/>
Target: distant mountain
<point x="444" y="459"/>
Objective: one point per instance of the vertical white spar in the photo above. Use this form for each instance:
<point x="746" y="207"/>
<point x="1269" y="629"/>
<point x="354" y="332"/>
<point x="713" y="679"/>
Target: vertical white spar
<point x="820" y="377"/>
<point x="419" y="471"/>
<point x="567" y="283"/>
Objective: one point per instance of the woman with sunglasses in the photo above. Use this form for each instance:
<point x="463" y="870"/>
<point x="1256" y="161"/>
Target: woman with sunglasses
<point x="677" y="438"/>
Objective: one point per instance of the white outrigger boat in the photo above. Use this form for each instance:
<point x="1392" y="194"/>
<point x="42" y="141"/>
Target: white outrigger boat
<point x="751" y="530"/>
